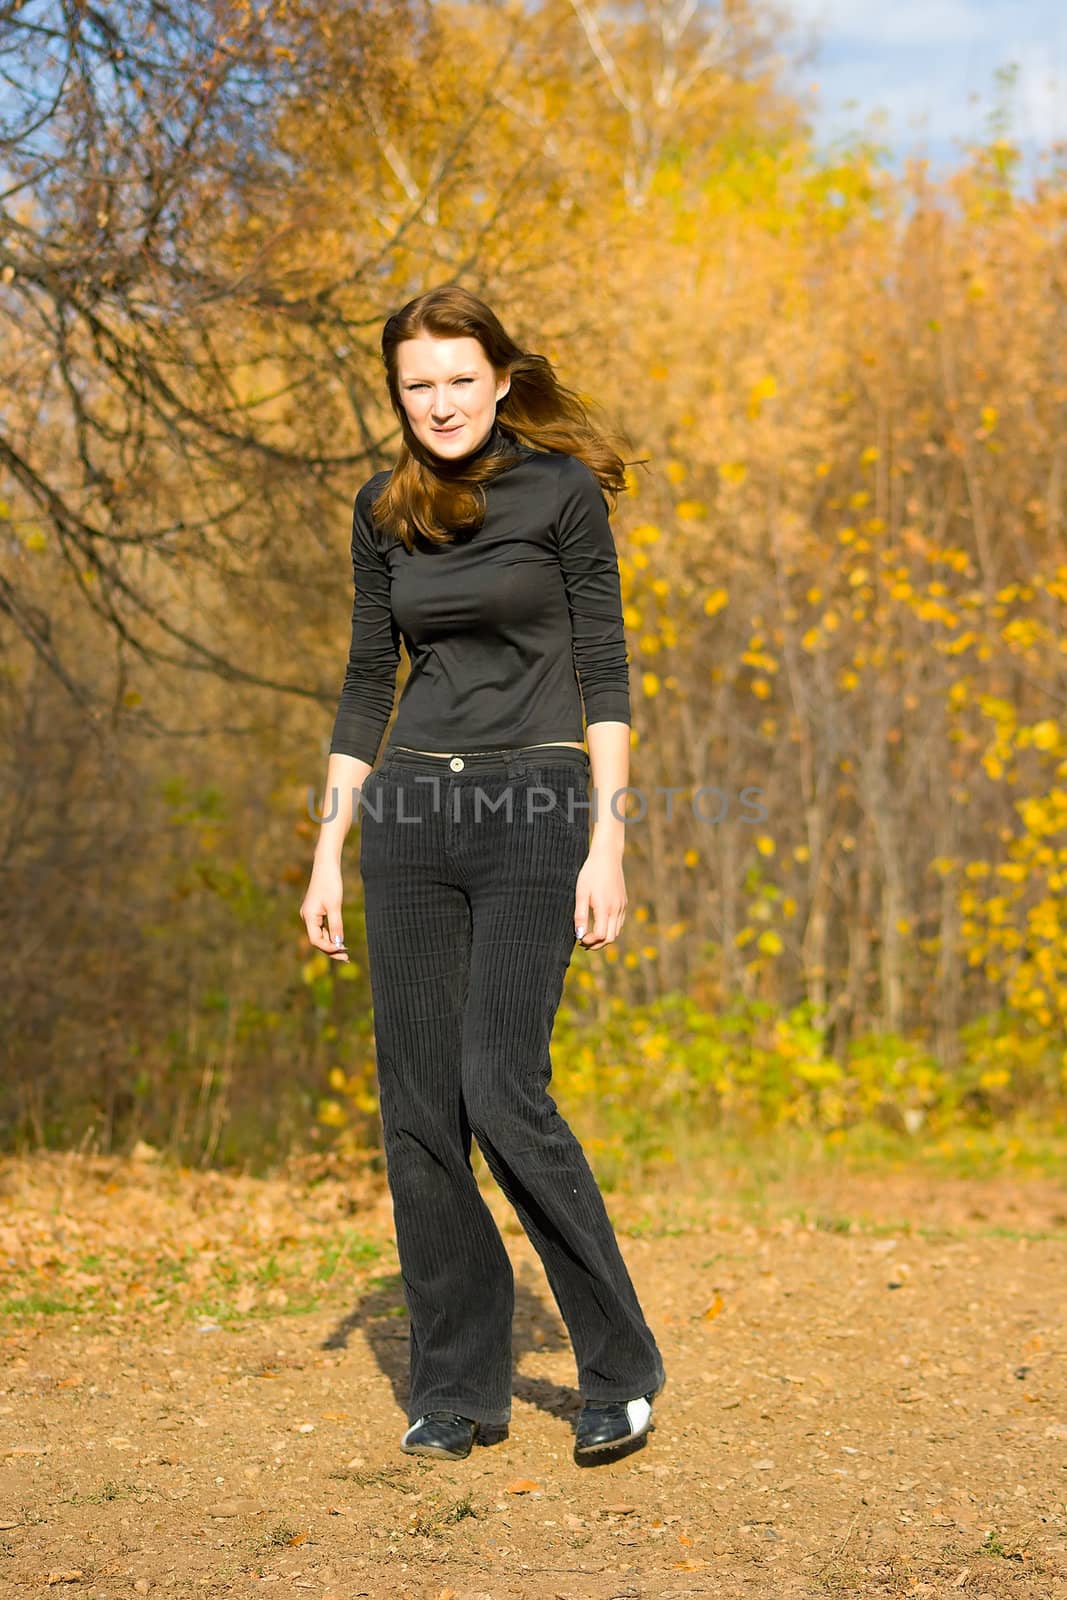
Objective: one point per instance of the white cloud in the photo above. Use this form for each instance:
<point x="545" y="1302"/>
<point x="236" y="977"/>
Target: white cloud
<point x="896" y="22"/>
<point x="1041" y="98"/>
<point x="926" y="73"/>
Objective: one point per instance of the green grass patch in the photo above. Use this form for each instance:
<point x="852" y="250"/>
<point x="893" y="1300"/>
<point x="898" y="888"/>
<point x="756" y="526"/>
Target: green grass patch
<point x="42" y="1305"/>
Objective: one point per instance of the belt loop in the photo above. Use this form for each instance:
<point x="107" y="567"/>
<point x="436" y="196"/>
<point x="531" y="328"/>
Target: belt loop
<point x="514" y="762"/>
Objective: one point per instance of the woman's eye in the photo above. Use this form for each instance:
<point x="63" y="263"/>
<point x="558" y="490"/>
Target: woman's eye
<point x="422" y="385"/>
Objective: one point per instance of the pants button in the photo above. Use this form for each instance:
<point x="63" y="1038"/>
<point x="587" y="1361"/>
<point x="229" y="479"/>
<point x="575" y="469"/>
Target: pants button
<point x="456" y="764"/>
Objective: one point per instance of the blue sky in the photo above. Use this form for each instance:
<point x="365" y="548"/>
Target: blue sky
<point x="929" y="66"/>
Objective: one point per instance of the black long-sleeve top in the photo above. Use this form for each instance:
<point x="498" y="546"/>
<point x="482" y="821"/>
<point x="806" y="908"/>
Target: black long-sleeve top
<point x="509" y="631"/>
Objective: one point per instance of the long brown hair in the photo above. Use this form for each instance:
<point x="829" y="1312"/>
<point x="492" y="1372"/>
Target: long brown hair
<point x="426" y="495"/>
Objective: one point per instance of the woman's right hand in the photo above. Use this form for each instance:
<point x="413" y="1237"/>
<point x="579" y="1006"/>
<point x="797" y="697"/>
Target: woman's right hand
<point x="321" y="910"/>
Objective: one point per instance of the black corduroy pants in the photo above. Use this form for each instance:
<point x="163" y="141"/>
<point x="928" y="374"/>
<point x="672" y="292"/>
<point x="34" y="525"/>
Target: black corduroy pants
<point x="468" y="876"/>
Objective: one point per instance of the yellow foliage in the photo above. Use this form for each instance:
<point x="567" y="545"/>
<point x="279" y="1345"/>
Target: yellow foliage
<point x="765" y="389"/>
<point x="332" y="1114"/>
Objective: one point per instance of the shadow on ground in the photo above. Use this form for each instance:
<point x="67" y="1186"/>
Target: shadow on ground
<point x="380" y="1314"/>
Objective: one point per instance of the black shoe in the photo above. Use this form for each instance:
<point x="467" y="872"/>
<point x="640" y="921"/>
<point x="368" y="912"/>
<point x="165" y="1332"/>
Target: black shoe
<point x="440" y="1433"/>
<point x="605" y="1425"/>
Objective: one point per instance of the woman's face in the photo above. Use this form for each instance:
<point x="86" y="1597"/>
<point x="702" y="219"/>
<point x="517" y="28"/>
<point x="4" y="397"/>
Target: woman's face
<point x="449" y="392"/>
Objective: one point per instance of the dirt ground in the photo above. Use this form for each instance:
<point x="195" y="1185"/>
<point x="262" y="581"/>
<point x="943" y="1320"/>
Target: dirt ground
<point x="203" y="1392"/>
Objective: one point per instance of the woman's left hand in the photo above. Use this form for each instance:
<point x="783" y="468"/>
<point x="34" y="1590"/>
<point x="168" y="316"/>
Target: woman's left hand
<point x="599" y="899"/>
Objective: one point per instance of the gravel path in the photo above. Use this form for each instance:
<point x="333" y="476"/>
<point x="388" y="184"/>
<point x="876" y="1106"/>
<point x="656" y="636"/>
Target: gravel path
<point x="849" y="1411"/>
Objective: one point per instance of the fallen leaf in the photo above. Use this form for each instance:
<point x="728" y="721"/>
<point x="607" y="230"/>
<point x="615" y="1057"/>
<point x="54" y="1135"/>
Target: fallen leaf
<point x="522" y="1486"/>
<point x="714" y="1308"/>
<point x="961" y="1577"/>
<point x="75" y="1575"/>
<point x="689" y="1566"/>
<point x="298" y="1538"/>
<point x="620" y="1510"/>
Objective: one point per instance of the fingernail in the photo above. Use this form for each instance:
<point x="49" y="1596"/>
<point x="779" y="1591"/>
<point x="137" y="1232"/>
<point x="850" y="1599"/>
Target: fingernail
<point x="337" y="939"/>
<point x="579" y="932"/>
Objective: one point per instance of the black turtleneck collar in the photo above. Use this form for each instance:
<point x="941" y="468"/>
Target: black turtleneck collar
<point x="493" y="441"/>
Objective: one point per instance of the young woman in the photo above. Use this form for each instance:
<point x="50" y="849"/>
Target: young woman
<point x="487" y="549"/>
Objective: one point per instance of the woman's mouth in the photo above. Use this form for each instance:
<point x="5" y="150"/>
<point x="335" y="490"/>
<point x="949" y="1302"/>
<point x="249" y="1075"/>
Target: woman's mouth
<point x="454" y="429"/>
